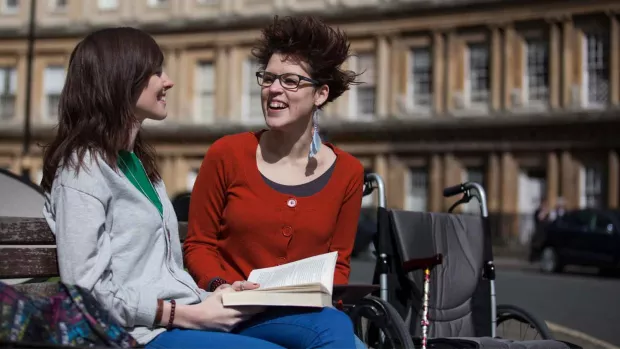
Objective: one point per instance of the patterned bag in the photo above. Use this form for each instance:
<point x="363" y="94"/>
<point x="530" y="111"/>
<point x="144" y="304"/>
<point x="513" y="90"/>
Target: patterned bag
<point x="72" y="317"/>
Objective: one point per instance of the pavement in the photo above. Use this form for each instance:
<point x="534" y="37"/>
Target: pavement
<point x="579" y="306"/>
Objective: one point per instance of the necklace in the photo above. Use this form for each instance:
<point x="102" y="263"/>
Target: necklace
<point x="138" y="182"/>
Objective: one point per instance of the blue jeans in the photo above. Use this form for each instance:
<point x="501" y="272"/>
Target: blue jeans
<point x="290" y="328"/>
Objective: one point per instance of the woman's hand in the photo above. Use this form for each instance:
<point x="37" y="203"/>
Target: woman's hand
<point x="211" y="314"/>
<point x="241" y="285"/>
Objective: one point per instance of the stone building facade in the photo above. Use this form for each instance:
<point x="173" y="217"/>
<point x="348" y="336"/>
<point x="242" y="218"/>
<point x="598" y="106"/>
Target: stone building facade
<point x="520" y="96"/>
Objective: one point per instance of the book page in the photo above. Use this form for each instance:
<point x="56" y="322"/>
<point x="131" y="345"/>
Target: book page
<point x="313" y="270"/>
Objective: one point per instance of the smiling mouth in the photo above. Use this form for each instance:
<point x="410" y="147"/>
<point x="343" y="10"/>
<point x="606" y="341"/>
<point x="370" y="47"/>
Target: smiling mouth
<point x="273" y="105"/>
<point x="161" y="98"/>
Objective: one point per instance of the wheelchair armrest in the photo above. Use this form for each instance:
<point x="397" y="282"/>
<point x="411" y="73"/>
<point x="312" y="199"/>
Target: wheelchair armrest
<point x="422" y="263"/>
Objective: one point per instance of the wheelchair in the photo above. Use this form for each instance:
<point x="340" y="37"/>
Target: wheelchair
<point x="436" y="280"/>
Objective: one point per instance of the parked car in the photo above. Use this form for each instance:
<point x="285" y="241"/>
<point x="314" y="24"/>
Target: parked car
<point x="587" y="237"/>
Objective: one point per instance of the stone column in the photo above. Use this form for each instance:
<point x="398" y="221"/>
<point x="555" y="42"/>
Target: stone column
<point x="569" y="188"/>
<point x="509" y="38"/>
<point x="222" y="78"/>
<point x="382" y="75"/>
<point x="509" y="190"/>
<point x="567" y="60"/>
<point x="435" y="187"/>
<point x="439" y="69"/>
<point x="493" y="187"/>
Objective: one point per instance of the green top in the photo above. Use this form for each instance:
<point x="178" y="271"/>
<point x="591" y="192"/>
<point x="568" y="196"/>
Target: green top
<point x="132" y="167"/>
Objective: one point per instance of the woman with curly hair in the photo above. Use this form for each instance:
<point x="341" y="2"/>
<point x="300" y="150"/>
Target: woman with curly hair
<point x="280" y="194"/>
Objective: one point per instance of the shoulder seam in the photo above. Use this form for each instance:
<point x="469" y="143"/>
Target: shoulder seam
<point x="81" y="192"/>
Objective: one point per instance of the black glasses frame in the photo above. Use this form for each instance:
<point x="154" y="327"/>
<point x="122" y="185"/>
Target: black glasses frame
<point x="260" y="75"/>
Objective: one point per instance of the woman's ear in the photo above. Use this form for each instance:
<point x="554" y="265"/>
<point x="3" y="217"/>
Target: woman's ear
<point x="320" y="95"/>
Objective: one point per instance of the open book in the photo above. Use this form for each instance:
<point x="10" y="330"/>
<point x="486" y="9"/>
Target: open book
<point x="306" y="283"/>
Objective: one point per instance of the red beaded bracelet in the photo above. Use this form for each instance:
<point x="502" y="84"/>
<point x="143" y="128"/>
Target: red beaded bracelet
<point x="173" y="305"/>
<point x="217" y="282"/>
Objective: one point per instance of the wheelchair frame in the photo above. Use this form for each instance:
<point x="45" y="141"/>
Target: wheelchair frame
<point x="469" y="190"/>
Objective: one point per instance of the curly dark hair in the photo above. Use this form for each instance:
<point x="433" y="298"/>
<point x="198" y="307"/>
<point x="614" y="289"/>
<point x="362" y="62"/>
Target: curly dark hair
<point x="308" y="39"/>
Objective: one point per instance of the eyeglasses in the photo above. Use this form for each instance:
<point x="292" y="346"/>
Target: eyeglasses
<point x="288" y="81"/>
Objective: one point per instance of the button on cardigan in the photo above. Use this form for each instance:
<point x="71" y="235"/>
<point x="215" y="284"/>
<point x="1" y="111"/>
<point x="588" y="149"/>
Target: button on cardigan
<point x="238" y="223"/>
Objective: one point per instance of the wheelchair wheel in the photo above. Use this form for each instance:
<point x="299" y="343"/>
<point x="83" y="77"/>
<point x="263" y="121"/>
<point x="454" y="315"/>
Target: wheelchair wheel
<point x="379" y="325"/>
<point x="516" y="323"/>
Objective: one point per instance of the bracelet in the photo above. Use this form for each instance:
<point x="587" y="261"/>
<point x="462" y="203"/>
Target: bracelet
<point x="215" y="283"/>
<point x="160" y="312"/>
<point x="173" y="304"/>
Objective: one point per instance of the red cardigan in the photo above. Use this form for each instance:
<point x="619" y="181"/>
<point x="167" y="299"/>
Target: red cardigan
<point x="238" y="223"/>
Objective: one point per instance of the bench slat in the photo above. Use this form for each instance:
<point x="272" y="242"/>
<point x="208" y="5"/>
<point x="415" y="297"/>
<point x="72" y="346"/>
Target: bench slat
<point x="25" y="231"/>
<point x="28" y="262"/>
<point x="35" y="231"/>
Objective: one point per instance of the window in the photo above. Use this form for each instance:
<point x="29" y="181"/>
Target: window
<point x="537" y="71"/>
<point x="478" y="68"/>
<point x="8" y="89"/>
<point x="365" y="101"/>
<point x="253" y="106"/>
<point x="417" y="192"/>
<point x="53" y="81"/>
<point x="422" y="73"/>
<point x="204" y="87"/>
<point x="591" y="178"/>
<point x="58" y="5"/>
<point x="596" y="69"/>
<point x="157" y="3"/>
<point x="107" y="4"/>
<point x="10" y="6"/>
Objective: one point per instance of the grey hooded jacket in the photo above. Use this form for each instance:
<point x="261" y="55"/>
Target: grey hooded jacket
<point x="112" y="241"/>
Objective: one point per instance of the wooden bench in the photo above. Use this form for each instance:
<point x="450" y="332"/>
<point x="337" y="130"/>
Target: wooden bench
<point x="28" y="250"/>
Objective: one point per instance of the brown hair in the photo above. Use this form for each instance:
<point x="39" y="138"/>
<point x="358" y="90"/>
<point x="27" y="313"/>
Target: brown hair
<point x="308" y="39"/>
<point x="107" y="72"/>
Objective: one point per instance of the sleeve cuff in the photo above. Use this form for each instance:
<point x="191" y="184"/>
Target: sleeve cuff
<point x="147" y="307"/>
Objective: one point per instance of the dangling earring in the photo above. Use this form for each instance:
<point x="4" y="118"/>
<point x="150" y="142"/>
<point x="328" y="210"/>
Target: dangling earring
<point x="315" y="145"/>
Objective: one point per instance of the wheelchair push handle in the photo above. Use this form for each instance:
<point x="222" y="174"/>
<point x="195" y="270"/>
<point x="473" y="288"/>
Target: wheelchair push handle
<point x="470" y="190"/>
<point x="454" y="190"/>
<point x="373" y="181"/>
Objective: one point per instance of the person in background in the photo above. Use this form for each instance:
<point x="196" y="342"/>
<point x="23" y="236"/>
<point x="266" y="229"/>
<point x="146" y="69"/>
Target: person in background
<point x="116" y="230"/>
<point x="559" y="210"/>
<point x="279" y="194"/>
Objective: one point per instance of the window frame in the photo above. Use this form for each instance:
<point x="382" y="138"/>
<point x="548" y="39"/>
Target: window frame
<point x="200" y="93"/>
<point x="411" y="92"/>
<point x="586" y="35"/>
<point x="9" y="69"/>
